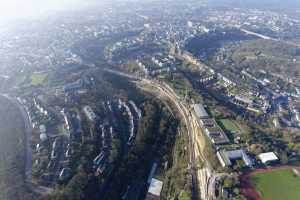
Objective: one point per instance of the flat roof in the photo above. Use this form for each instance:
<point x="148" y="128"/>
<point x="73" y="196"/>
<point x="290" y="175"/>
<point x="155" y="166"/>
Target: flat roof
<point x="155" y="187"/>
<point x="225" y="157"/>
<point x="267" y="157"/>
<point x="208" y="122"/>
<point x="217" y="135"/>
<point x="200" y="111"/>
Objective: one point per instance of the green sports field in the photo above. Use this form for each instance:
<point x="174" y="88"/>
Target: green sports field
<point x="38" y="79"/>
<point x="230" y="125"/>
<point x="281" y="184"/>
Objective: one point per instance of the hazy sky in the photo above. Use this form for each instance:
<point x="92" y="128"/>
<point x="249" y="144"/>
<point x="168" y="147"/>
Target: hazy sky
<point x="14" y="9"/>
<point x="273" y="4"/>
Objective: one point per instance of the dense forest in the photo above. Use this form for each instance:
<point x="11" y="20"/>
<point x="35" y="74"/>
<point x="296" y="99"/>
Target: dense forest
<point x="207" y="44"/>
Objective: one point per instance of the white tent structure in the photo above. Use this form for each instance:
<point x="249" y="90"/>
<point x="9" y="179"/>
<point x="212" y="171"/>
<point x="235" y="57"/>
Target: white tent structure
<point x="268" y="157"/>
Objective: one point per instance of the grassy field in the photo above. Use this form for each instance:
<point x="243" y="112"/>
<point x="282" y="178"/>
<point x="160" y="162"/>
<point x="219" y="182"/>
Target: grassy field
<point x="230" y="125"/>
<point x="38" y="79"/>
<point x="12" y="152"/>
<point x="279" y="184"/>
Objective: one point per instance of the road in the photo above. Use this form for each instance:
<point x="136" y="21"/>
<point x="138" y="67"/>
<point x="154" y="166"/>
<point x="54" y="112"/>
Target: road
<point x="129" y="76"/>
<point x="257" y="34"/>
<point x="268" y="37"/>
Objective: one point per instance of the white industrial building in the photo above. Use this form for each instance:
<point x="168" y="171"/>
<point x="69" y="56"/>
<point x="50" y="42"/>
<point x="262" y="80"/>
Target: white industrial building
<point x="200" y="111"/>
<point x="267" y="158"/>
<point x="155" y="189"/>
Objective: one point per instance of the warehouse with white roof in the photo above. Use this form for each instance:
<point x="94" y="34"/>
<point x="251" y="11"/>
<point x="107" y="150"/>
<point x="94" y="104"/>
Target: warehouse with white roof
<point x="200" y="111"/>
<point x="155" y="189"/>
<point x="268" y="157"/>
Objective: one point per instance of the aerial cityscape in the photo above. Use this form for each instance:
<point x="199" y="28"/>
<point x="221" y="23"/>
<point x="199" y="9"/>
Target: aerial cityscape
<point x="150" y="100"/>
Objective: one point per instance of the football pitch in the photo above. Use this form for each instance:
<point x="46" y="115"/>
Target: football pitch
<point x="279" y="184"/>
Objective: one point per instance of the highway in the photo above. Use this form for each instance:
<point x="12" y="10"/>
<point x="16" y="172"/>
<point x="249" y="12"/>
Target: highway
<point x="257" y="34"/>
<point x="269" y="38"/>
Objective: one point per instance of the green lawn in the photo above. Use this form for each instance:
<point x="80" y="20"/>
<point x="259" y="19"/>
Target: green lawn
<point x="279" y="184"/>
<point x="38" y="79"/>
<point x="230" y="125"/>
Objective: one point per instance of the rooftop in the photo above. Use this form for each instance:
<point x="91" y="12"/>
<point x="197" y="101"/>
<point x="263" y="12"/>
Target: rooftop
<point x="155" y="187"/>
<point x="217" y="135"/>
<point x="200" y="111"/>
<point x="267" y="157"/>
<point x="225" y="157"/>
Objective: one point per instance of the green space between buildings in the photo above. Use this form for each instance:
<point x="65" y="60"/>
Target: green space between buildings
<point x="230" y="125"/>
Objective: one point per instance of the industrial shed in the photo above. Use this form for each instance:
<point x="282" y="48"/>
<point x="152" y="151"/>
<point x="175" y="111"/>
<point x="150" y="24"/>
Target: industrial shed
<point x="200" y="111"/>
<point x="267" y="158"/>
